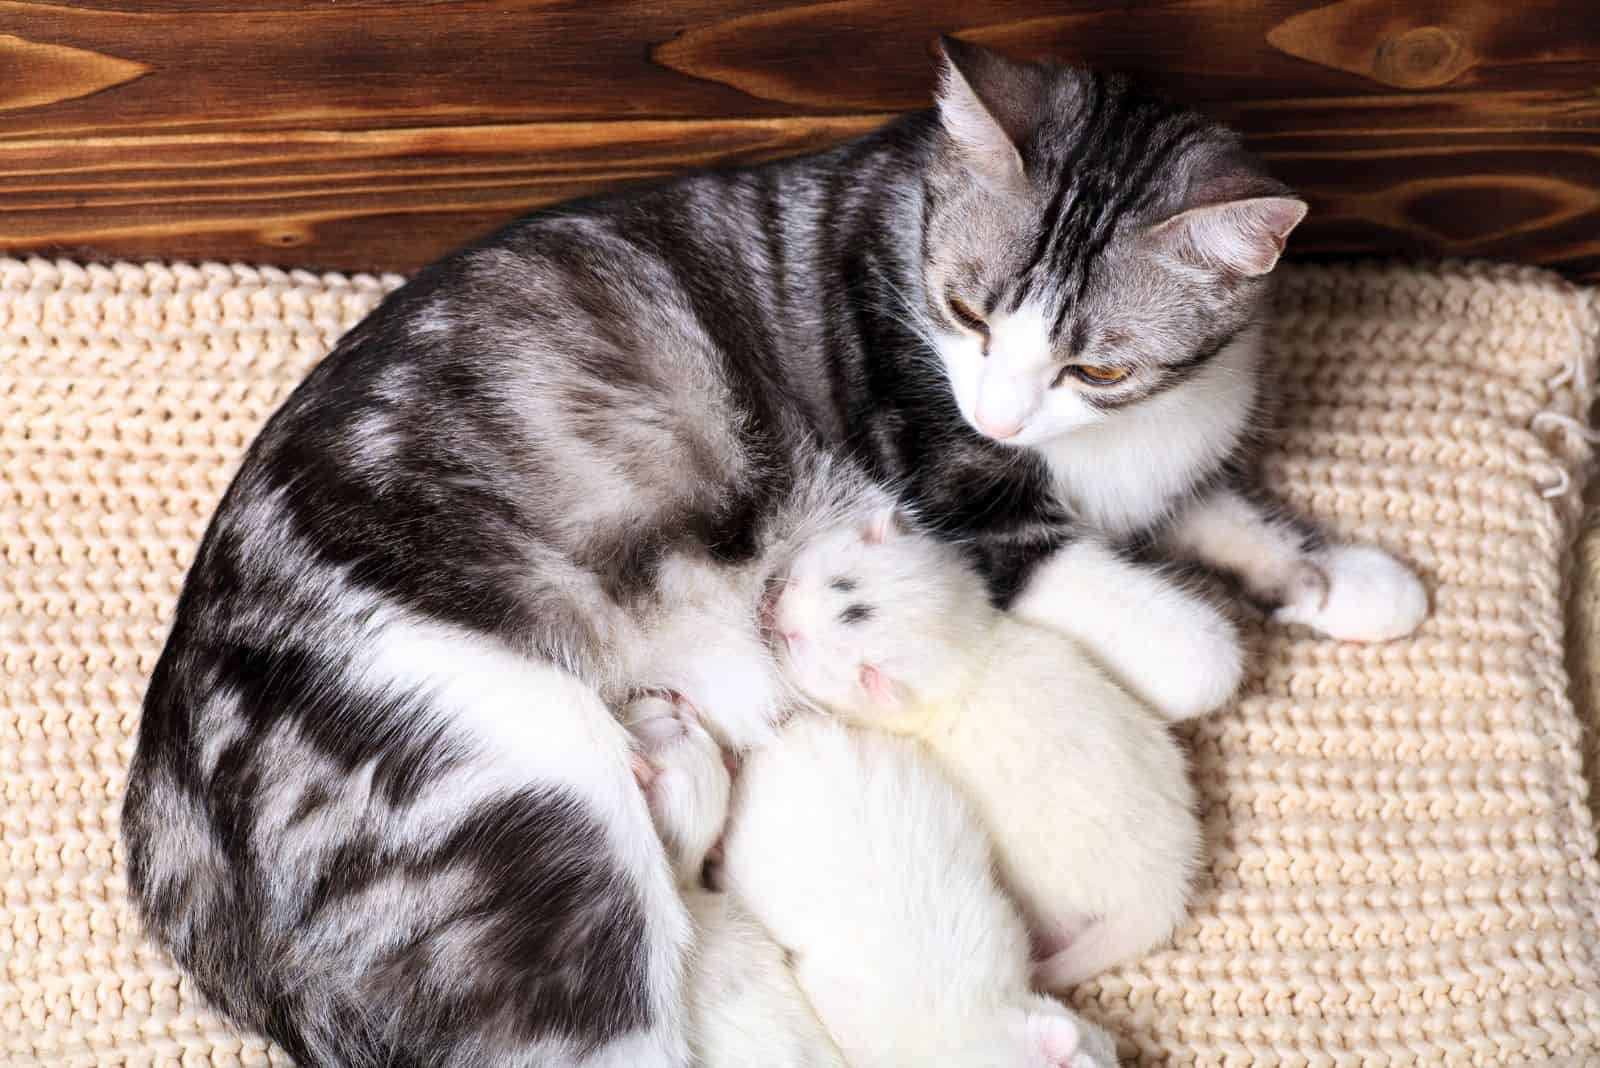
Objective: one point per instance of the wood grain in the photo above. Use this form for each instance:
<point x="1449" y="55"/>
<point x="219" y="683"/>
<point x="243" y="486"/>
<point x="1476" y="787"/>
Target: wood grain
<point x="381" y="133"/>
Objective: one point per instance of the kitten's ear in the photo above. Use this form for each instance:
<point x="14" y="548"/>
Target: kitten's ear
<point x="1054" y="1035"/>
<point x="886" y="524"/>
<point x="987" y="104"/>
<point x="880" y="689"/>
<point x="1243" y="236"/>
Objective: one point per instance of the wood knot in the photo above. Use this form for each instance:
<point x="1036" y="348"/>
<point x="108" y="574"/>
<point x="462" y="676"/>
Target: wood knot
<point x="1420" y="58"/>
<point x="284" y="235"/>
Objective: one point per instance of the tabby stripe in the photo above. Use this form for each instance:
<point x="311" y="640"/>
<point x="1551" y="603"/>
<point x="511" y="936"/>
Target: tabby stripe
<point x="1065" y="186"/>
<point x="1126" y="196"/>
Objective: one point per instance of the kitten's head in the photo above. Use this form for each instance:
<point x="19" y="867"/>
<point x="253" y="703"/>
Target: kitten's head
<point x="1087" y="245"/>
<point x="869" y="615"/>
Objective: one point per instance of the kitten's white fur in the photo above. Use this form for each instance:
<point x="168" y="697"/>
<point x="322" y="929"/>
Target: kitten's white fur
<point x="1082" y="787"/>
<point x="745" y="1007"/>
<point x="870" y="869"/>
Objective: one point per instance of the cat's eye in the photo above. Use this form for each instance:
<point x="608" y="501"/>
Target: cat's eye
<point x="1096" y="374"/>
<point x="966" y="316"/>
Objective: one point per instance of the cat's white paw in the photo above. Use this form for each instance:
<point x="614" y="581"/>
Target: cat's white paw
<point x="1365" y="595"/>
<point x="1195" y="659"/>
<point x="685" y="780"/>
<point x="1168" y="646"/>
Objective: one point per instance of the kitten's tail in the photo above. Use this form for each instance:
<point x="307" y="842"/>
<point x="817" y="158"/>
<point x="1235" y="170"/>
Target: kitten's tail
<point x="1107" y="941"/>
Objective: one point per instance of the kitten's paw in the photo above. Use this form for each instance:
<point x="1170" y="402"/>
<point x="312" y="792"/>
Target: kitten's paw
<point x="1062" y="1039"/>
<point x="1096" y="1047"/>
<point x="1365" y="595"/>
<point x="683" y="775"/>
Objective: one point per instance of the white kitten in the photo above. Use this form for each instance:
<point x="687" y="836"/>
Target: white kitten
<point x="744" y="1005"/>
<point x="860" y="859"/>
<point x="1082" y="787"/>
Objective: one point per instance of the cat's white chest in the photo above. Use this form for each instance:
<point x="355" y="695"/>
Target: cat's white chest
<point x="1126" y="472"/>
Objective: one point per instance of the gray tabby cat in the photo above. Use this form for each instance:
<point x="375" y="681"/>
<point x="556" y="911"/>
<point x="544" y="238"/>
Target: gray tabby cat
<point x="381" y="807"/>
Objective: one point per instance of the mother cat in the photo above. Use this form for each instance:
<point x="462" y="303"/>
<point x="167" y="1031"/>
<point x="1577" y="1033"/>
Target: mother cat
<point x="380" y="808"/>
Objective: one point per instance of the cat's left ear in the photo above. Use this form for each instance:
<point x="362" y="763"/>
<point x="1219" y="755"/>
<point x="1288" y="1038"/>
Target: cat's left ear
<point x="987" y="104"/>
<point x="1242" y="236"/>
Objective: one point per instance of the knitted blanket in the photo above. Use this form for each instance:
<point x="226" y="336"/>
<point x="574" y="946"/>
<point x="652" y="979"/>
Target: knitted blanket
<point x="1402" y="864"/>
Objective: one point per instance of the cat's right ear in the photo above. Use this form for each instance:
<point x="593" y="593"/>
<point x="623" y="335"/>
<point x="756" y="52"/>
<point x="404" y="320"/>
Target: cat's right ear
<point x="1244" y="236"/>
<point x="987" y="105"/>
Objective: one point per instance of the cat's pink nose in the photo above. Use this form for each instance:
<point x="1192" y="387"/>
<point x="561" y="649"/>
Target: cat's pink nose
<point x="792" y="637"/>
<point x="999" y="429"/>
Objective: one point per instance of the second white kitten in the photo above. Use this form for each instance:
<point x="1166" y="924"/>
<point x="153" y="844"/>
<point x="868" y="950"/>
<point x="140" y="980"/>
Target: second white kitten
<point x="872" y="870"/>
<point x="849" y="851"/>
<point x="745" y="1007"/>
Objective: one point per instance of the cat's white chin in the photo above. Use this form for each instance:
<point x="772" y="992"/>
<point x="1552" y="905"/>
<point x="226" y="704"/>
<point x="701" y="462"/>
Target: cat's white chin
<point x="1369" y="596"/>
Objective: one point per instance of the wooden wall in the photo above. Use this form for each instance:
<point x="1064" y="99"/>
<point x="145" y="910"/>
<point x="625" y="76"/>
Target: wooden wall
<point x="380" y="133"/>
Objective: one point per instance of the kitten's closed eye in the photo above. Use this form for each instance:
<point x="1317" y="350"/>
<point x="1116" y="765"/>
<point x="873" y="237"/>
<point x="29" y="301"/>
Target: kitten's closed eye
<point x="856" y="613"/>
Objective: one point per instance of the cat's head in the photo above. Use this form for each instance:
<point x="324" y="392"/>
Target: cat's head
<point x="1088" y="246"/>
<point x="870" y="615"/>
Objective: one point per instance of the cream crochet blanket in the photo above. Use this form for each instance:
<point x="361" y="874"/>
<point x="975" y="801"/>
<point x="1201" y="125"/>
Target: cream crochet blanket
<point x="1402" y="863"/>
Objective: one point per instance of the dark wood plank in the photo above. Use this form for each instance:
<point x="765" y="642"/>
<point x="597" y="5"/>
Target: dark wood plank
<point x="380" y="133"/>
<point x="350" y="200"/>
<point x="274" y="64"/>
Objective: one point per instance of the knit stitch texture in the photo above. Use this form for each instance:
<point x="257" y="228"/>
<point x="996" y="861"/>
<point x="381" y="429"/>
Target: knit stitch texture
<point x="1402" y="863"/>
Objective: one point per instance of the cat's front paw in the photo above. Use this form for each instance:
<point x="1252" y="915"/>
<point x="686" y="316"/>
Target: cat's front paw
<point x="685" y="780"/>
<point x="1192" y="658"/>
<point x="1356" y="593"/>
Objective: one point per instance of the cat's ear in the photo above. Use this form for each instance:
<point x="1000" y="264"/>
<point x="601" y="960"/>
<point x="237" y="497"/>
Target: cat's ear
<point x="880" y="689"/>
<point x="1242" y="236"/>
<point x="885" y="524"/>
<point x="987" y="104"/>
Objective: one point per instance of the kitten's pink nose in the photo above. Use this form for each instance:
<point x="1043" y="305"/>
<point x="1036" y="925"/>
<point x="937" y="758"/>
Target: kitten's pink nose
<point x="791" y="637"/>
<point x="999" y="429"/>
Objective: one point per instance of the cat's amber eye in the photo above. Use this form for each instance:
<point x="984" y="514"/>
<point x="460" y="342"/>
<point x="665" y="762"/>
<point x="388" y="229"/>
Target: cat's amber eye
<point x="1096" y="374"/>
<point x="1102" y="373"/>
<point x="965" y="315"/>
